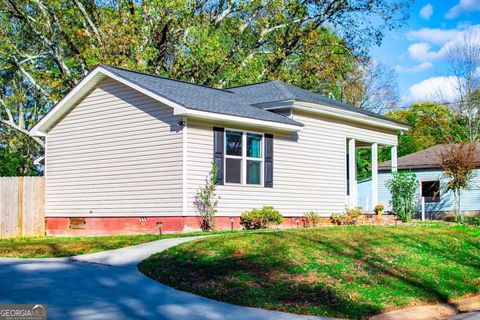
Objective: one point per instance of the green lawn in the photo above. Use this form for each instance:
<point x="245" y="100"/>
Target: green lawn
<point x="43" y="247"/>
<point x="340" y="271"/>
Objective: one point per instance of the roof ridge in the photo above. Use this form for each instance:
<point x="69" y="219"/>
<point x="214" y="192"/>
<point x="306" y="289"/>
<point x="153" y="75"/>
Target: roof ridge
<point x="280" y="85"/>
<point x="166" y="78"/>
<point x="249" y="84"/>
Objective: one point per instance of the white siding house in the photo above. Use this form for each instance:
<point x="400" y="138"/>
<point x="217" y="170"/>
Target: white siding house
<point x="128" y="152"/>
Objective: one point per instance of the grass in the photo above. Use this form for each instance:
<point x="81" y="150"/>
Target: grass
<point x="43" y="247"/>
<point x="351" y="272"/>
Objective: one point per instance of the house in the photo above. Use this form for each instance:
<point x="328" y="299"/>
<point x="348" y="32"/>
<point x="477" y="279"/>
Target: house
<point x="426" y="165"/>
<point x="126" y="152"/>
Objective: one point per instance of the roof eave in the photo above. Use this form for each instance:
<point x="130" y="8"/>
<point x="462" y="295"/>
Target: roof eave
<point x="100" y="73"/>
<point x="230" y="119"/>
<point x="349" y="115"/>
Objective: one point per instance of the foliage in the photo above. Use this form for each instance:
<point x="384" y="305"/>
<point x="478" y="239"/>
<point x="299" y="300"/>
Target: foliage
<point x="364" y="160"/>
<point x="311" y="219"/>
<point x="472" y="220"/>
<point x="344" y="272"/>
<point x="260" y="218"/>
<point x="16" y="152"/>
<point x="403" y="188"/>
<point x="458" y="163"/>
<point x="206" y="201"/>
<point x="431" y="125"/>
<point x="47" y="46"/>
<point x="348" y="217"/>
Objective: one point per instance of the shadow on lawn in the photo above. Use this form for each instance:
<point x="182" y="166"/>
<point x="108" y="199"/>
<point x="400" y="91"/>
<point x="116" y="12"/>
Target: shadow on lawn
<point x="278" y="280"/>
<point x="237" y="278"/>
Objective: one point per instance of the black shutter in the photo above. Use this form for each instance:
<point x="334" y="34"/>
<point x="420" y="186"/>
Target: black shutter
<point x="218" y="147"/>
<point x="268" y="175"/>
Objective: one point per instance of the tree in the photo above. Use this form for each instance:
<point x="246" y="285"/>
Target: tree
<point x="463" y="61"/>
<point x="403" y="189"/>
<point x="431" y="125"/>
<point x="458" y="162"/>
<point x="48" y="45"/>
<point x="372" y="86"/>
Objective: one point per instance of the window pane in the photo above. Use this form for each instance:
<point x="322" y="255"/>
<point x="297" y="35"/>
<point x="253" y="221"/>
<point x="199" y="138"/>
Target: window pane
<point x="234" y="143"/>
<point x="431" y="191"/>
<point x="254" y="145"/>
<point x="233" y="173"/>
<point x="253" y="171"/>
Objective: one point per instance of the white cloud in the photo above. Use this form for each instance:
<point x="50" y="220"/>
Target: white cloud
<point x="464" y="6"/>
<point x="434" y="35"/>
<point x="422" y="51"/>
<point x="426" y="11"/>
<point x="432" y="89"/>
<point x="424" y="66"/>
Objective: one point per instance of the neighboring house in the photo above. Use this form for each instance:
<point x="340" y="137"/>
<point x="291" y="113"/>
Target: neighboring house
<point x="126" y="150"/>
<point x="426" y="165"/>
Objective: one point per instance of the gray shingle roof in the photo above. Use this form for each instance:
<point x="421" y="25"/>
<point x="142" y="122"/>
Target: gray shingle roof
<point x="198" y="97"/>
<point x="276" y="90"/>
<point x="243" y="101"/>
<point x="424" y="159"/>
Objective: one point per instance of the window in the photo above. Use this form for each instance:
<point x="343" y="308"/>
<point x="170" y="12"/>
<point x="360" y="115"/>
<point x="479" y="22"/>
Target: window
<point x="243" y="157"/>
<point x="431" y="191"/>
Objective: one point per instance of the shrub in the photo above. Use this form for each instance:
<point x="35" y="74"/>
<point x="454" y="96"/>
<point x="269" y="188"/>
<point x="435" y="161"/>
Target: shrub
<point x="403" y="188"/>
<point x="339" y="218"/>
<point x="260" y="218"/>
<point x="349" y="217"/>
<point x="206" y="200"/>
<point x="311" y="219"/>
<point x="473" y="220"/>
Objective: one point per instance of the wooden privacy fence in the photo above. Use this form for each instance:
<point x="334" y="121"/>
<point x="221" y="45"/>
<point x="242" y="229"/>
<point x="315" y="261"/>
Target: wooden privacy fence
<point x="22" y="207"/>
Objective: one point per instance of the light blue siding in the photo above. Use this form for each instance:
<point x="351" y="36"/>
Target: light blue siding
<point x="470" y="199"/>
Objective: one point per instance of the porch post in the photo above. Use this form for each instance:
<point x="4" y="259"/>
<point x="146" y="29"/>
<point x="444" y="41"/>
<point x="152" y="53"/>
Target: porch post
<point x="394" y="158"/>
<point x="374" y="175"/>
<point x="352" y="169"/>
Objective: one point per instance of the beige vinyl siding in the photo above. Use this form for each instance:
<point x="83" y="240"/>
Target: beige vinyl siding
<point x="118" y="152"/>
<point x="309" y="168"/>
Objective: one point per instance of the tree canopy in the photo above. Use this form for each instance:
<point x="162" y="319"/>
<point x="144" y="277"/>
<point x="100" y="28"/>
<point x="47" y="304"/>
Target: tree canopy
<point x="47" y="46"/>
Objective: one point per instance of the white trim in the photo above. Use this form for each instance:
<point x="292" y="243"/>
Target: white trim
<point x="244" y="158"/>
<point x="229" y="119"/>
<point x="352" y="168"/>
<point x="374" y="175"/>
<point x="394" y="158"/>
<point x="350" y="116"/>
<point x="184" y="166"/>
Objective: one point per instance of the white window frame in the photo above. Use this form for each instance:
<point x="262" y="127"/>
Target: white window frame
<point x="244" y="158"/>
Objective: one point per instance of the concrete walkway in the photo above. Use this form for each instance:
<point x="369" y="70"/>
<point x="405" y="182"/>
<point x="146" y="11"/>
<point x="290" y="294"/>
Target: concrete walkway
<point x="107" y="285"/>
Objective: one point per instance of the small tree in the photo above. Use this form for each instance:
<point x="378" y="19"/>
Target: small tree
<point x="403" y="188"/>
<point x="458" y="162"/>
<point x="206" y="201"/>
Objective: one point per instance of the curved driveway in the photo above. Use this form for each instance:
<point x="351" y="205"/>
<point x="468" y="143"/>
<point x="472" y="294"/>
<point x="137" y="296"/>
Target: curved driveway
<point x="107" y="285"/>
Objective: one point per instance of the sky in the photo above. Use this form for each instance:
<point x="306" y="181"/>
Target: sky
<point x="416" y="51"/>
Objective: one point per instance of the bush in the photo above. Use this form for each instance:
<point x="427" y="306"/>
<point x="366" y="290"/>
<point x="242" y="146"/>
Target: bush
<point x="311" y="219"/>
<point x="403" y="188"/>
<point x="260" y="218"/>
<point x="473" y="220"/>
<point x="349" y="217"/>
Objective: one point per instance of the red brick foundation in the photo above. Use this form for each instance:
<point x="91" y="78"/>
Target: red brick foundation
<point x="62" y="226"/>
